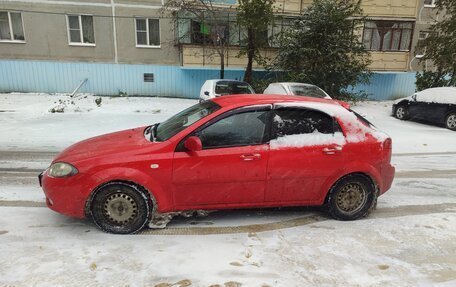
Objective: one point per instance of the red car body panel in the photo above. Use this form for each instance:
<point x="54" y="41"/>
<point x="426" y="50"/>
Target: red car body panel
<point x="222" y="178"/>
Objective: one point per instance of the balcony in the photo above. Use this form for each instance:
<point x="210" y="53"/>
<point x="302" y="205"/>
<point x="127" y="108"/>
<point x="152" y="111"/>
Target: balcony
<point x="389" y="61"/>
<point x="372" y="8"/>
<point x="206" y="56"/>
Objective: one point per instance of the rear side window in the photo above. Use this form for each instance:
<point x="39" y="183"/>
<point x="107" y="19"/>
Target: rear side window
<point x="246" y="128"/>
<point x="230" y="87"/>
<point x="301" y="121"/>
<point x="310" y="91"/>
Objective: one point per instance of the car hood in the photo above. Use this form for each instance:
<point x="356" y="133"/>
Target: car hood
<point x="397" y="101"/>
<point x="117" y="142"/>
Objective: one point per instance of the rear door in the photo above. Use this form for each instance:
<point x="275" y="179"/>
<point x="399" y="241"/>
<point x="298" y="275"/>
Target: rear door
<point x="305" y="150"/>
<point x="231" y="167"/>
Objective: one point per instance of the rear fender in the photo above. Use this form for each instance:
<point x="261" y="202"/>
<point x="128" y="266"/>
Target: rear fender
<point x="353" y="167"/>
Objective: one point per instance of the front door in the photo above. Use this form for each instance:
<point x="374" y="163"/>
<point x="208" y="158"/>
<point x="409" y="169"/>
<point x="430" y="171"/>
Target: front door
<point x="305" y="150"/>
<point x="231" y="167"/>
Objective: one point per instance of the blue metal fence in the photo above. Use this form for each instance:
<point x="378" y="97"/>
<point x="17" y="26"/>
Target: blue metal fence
<point x="169" y="81"/>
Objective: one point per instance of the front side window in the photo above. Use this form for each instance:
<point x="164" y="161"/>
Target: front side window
<point x="147" y="32"/>
<point x="80" y="29"/>
<point x="184" y="119"/>
<point x="245" y="128"/>
<point x="294" y="121"/>
<point x="387" y="35"/>
<point x="11" y="28"/>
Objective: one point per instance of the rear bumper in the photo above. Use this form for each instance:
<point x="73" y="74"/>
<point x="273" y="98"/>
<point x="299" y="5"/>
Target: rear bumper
<point x="388" y="172"/>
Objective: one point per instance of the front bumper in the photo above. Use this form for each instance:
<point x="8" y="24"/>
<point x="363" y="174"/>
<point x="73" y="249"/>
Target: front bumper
<point x="66" y="195"/>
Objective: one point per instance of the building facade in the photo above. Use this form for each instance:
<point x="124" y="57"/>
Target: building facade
<point x="136" y="47"/>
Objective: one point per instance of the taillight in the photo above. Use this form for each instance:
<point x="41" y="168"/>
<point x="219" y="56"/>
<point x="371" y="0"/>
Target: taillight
<point x="387" y="144"/>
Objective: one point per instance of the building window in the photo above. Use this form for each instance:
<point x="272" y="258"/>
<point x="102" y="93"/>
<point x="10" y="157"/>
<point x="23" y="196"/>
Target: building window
<point x="80" y="30"/>
<point x="429" y="3"/>
<point x="209" y="33"/>
<point x="387" y="35"/>
<point x="147" y="32"/>
<point x="11" y="28"/>
<point x="419" y="53"/>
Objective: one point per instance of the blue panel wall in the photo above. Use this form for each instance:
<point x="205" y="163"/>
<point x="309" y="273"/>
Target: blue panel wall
<point x="170" y="81"/>
<point x="385" y="86"/>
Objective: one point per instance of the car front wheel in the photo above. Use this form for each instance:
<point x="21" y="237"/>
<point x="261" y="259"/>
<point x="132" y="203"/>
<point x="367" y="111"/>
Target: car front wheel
<point x="121" y="208"/>
<point x="450" y="121"/>
<point x="351" y="197"/>
<point x="401" y="113"/>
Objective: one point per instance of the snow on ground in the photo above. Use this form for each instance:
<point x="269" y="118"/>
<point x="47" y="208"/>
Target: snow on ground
<point x="27" y="124"/>
<point x="409" y="240"/>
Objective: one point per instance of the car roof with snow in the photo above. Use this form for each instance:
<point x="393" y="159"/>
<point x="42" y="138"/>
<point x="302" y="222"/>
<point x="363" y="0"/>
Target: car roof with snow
<point x="444" y="95"/>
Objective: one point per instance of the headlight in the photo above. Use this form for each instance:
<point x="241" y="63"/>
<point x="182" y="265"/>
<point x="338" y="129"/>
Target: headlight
<point x="62" y="169"/>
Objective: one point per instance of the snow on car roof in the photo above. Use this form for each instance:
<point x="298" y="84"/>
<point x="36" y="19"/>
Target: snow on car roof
<point x="444" y="95"/>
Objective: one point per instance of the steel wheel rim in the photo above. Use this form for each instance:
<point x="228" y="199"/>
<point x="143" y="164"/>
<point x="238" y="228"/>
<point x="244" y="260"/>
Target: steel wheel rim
<point x="400" y="113"/>
<point x="451" y="122"/>
<point x="351" y="198"/>
<point x="120" y="208"/>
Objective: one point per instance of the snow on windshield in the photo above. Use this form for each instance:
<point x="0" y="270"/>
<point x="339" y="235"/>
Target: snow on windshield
<point x="444" y="95"/>
<point x="355" y="130"/>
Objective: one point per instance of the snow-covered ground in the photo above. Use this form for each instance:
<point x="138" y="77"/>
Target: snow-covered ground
<point x="410" y="240"/>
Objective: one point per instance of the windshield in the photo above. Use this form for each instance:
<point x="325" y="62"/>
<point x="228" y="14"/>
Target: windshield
<point x="231" y="87"/>
<point x="187" y="117"/>
<point x="310" y="91"/>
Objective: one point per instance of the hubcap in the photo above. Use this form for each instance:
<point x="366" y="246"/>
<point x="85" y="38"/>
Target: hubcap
<point x="351" y="198"/>
<point x="400" y="112"/>
<point x="120" y="208"/>
<point x="451" y="122"/>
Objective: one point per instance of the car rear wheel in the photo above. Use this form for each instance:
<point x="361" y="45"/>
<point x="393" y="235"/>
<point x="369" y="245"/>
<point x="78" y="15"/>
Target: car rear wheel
<point x="351" y="197"/>
<point x="450" y="121"/>
<point x="401" y="113"/>
<point x="120" y="208"/>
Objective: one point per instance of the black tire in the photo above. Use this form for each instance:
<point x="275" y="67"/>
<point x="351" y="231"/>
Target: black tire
<point x="450" y="121"/>
<point x="351" y="197"/>
<point x="401" y="113"/>
<point x="120" y="208"/>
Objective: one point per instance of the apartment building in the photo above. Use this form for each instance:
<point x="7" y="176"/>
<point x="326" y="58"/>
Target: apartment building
<point x="133" y="47"/>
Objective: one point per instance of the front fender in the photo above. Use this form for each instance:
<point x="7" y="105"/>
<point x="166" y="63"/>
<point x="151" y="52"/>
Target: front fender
<point x="162" y="197"/>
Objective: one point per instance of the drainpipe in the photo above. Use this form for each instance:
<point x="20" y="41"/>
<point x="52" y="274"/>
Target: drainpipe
<point x="113" y="12"/>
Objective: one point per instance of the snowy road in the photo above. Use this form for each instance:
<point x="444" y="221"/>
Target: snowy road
<point x="409" y="240"/>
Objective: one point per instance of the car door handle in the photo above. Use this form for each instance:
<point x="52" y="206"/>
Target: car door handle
<point x="249" y="157"/>
<point x="332" y="149"/>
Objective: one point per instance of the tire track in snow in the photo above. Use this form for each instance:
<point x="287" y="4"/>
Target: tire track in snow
<point x="380" y="213"/>
<point x="389" y="212"/>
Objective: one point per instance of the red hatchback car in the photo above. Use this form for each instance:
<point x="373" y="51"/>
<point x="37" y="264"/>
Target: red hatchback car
<point x="227" y="153"/>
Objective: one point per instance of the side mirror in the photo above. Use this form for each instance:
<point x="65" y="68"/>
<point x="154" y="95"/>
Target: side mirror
<point x="206" y="93"/>
<point x="193" y="143"/>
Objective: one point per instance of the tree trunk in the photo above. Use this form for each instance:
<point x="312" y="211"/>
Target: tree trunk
<point x="248" y="76"/>
<point x="222" y="65"/>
